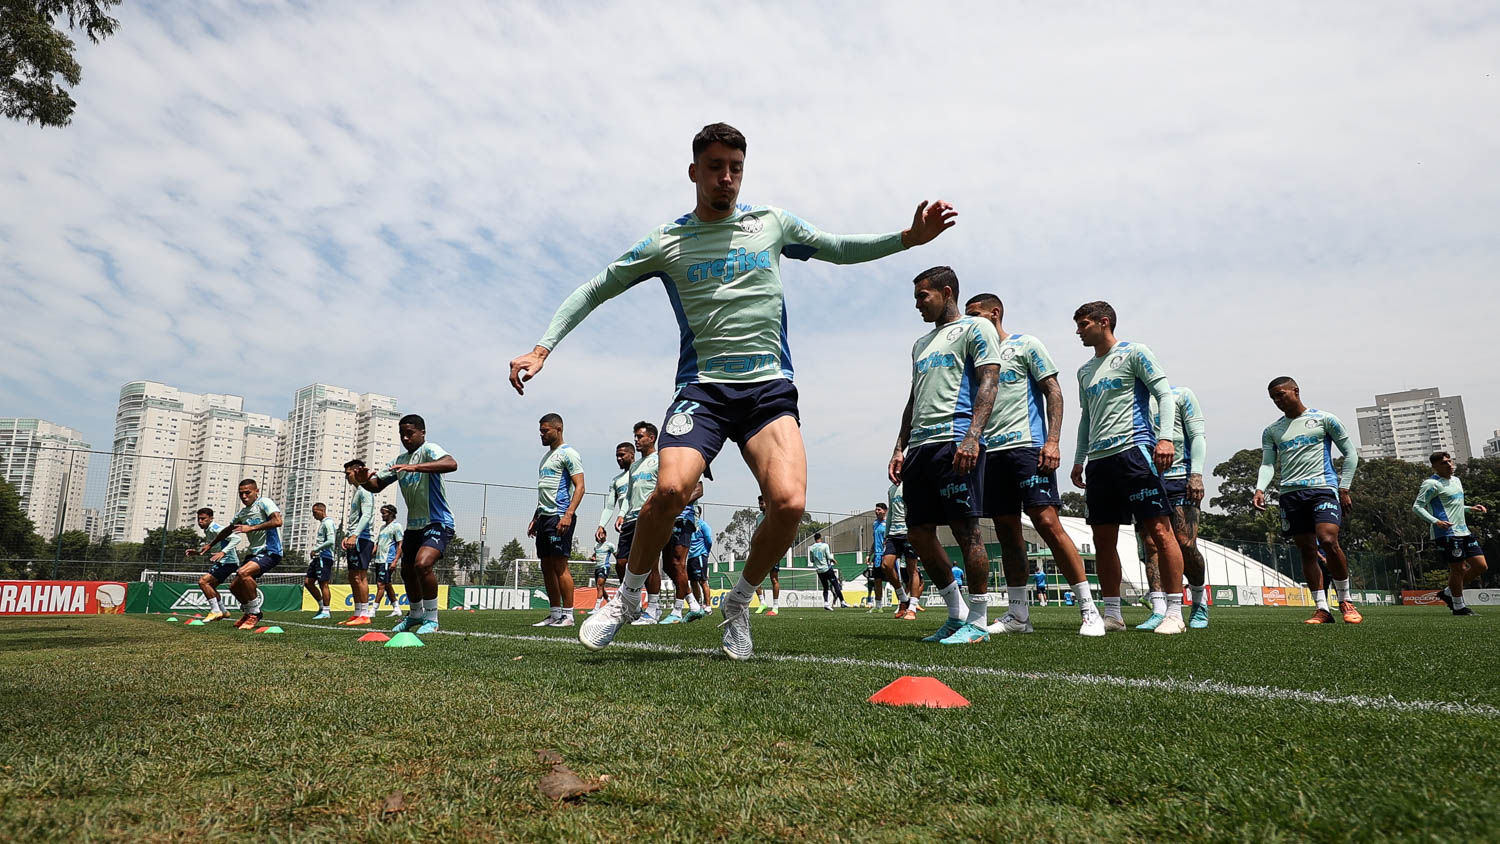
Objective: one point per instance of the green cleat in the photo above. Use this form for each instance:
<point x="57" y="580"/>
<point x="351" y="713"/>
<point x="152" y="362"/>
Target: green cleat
<point x="949" y="627"/>
<point x="694" y="615"/>
<point x="968" y="635"/>
<point x="407" y="625"/>
<point x="1151" y="623"/>
<point x="674" y="618"/>
<point x="1199" y="619"/>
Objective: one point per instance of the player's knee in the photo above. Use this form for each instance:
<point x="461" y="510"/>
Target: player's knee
<point x="1478" y="565"/>
<point x="786" y="505"/>
<point x="206" y="582"/>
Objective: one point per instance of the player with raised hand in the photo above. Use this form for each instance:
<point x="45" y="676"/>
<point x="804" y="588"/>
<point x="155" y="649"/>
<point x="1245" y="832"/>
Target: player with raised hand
<point x="721" y="267"/>
<point x="223" y="560"/>
<point x="359" y="547"/>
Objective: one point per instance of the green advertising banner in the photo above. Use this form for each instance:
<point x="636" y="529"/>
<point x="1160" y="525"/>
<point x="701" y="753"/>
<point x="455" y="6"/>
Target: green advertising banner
<point x="137" y="596"/>
<point x="495" y="598"/>
<point x="1224" y="596"/>
<point x="187" y="597"/>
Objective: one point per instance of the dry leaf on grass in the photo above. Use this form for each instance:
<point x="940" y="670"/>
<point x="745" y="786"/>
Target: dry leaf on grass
<point x="395" y="803"/>
<point x="563" y="784"/>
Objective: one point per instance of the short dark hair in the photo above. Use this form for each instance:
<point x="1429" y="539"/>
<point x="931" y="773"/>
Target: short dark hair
<point x="986" y="300"/>
<point x="817" y="536"/>
<point x="717" y="133"/>
<point x="318" y="504"/>
<point x="385" y="507"/>
<point x="413" y="420"/>
<point x="937" y="278"/>
<point x="249" y="482"/>
<point x="1436" y="456"/>
<point x="550" y="419"/>
<point x="1278" y="381"/>
<point x="880" y="505"/>
<point x="644" y="424"/>
<point x="206" y="511"/>
<point x="1098" y="312"/>
<point x="356" y="463"/>
<point x="626" y="446"/>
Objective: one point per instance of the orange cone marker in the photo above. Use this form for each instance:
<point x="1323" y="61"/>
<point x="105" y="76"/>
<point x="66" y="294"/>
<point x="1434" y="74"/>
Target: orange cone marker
<point x="919" y="691"/>
<point x="374" y="636"/>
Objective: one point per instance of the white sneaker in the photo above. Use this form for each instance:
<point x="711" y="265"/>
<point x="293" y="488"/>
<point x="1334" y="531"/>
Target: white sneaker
<point x="546" y="622"/>
<point x="599" y="629"/>
<point x="645" y="618"/>
<point x="395" y="613"/>
<point x="1093" y="622"/>
<point x="1171" y="625"/>
<point x="1113" y="625"/>
<point x="1010" y="624"/>
<point x="736" y="626"/>
<point x="565" y="621"/>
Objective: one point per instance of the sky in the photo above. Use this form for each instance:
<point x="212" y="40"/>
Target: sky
<point x="394" y="198"/>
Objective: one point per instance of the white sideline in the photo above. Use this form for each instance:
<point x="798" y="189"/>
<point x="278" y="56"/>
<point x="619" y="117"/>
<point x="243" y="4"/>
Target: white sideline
<point x="1213" y="687"/>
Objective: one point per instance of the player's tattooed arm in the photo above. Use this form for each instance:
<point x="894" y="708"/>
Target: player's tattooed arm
<point x="1051" y="456"/>
<point x="893" y="469"/>
<point x="966" y="457"/>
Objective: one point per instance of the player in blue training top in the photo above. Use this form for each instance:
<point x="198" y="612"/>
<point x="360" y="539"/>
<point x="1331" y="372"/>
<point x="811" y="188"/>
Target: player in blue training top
<point x="559" y="490"/>
<point x="223" y="559"/>
<point x="429" y="523"/>
<point x="1440" y="503"/>
<point x="721" y="267"/>
<point x="702" y="543"/>
<point x="1039" y="580"/>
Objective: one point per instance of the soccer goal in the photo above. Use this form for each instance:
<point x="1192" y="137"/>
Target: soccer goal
<point x="268" y="579"/>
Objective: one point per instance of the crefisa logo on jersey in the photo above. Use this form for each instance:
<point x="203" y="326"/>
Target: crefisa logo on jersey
<point x="751" y="225"/>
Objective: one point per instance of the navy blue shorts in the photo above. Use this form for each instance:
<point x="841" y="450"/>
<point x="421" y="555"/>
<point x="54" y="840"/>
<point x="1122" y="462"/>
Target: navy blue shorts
<point x="1177" y="489"/>
<point x="550" y="542"/>
<point x="436" y="535"/>
<point x="935" y="494"/>
<point x="380" y="573"/>
<point x="682" y="532"/>
<point x="627" y="539"/>
<point x="1302" y="509"/>
<point x="358" y="557"/>
<point x="1124" y="487"/>
<point x="321" y="568"/>
<point x="1012" y="483"/>
<point x="1452" y="550"/>
<point x="698" y="569"/>
<point x="224" y="570"/>
<point x="601" y="572"/>
<point x="265" y="560"/>
<point x="897" y="546"/>
<point x="703" y="416"/>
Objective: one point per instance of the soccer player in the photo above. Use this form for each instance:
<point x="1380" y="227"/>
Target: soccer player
<point x="1020" y="470"/>
<point x="604" y="553"/>
<point x="559" y="489"/>
<point x="429" y="525"/>
<point x="721" y="266"/>
<point x="674" y="560"/>
<point x="260" y="521"/>
<point x="1184" y="483"/>
<point x="1124" y="471"/>
<point x="619" y="488"/>
<point x="359" y="547"/>
<point x="641" y="483"/>
<point x="897" y="556"/>
<point x="387" y="552"/>
<point x="1039" y="580"/>
<point x="698" y="550"/>
<point x="320" y="569"/>
<point x="775" y="575"/>
<point x="1440" y="503"/>
<point x="821" y="559"/>
<point x="223" y="559"/>
<point x="874" y="575"/>
<point x="1313" y="496"/>
<point x="939" y="455"/>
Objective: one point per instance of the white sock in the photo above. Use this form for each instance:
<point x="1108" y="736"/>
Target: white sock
<point x="361" y="607"/>
<point x="567" y="613"/>
<point x="322" y="608"/>
<point x="1112" y="608"/>
<point x="774" y="599"/>
<point x="653" y="604"/>
<point x="1198" y="593"/>
<point x="554" y="611"/>
<point x="1320" y="598"/>
<point x="682" y="606"/>
<point x="1174" y="605"/>
<point x="631" y="586"/>
<point x="1159" y="603"/>
<point x="253" y="607"/>
<point x="1015" y="602"/>
<point x="1342" y="588"/>
<point x="693" y="603"/>
<point x="215" y="605"/>
<point x="742" y="592"/>
<point x="901" y="593"/>
<point x="954" y="599"/>
<point x="429" y="609"/>
<point x="979" y="609"/>
<point x="1084" y="594"/>
<point x="1458" y="602"/>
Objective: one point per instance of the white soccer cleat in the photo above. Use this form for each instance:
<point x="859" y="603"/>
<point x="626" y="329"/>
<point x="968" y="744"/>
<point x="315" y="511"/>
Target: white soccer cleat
<point x="1093" y="622"/>
<point x="1010" y="624"/>
<point x="546" y="622"/>
<point x="599" y="629"/>
<point x="565" y="621"/>
<point x="1113" y="625"/>
<point x="736" y="626"/>
<point x="1172" y="624"/>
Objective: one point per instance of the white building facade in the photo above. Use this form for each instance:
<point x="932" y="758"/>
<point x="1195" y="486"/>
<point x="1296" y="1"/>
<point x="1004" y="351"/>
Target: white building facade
<point x="49" y="467"/>
<point x="1413" y="424"/>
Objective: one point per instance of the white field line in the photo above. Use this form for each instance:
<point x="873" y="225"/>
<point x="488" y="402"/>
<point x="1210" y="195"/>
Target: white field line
<point x="1212" y="687"/>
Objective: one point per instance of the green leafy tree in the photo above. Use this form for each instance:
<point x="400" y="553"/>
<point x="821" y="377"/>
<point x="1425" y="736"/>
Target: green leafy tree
<point x="70" y="545"/>
<point x="168" y="547"/>
<point x="1074" y="504"/>
<point x="17" y="534"/>
<point x="35" y="52"/>
<point x="512" y="551"/>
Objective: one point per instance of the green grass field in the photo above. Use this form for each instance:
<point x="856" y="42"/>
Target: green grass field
<point x="1260" y="728"/>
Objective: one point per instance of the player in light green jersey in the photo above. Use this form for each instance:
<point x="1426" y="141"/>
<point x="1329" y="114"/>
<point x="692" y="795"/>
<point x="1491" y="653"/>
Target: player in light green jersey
<point x="224" y="561"/>
<point x="359" y="547"/>
<point x="1184" y="483"/>
<point x="387" y="557"/>
<point x="1313" y="496"/>
<point x="615" y="505"/>
<point x="320" y="568"/>
<point x="1116" y="438"/>
<point x="1440" y="503"/>
<point x="721" y="268"/>
<point x="559" y="491"/>
<point x="1020" y="470"/>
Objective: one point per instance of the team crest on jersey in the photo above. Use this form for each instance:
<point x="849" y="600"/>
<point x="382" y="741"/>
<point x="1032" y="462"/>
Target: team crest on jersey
<point x="1117" y="362"/>
<point x="954" y="333"/>
<point x="679" y="424"/>
<point x="1007" y="354"/>
<point x="1309" y="423"/>
<point x="748" y="225"/>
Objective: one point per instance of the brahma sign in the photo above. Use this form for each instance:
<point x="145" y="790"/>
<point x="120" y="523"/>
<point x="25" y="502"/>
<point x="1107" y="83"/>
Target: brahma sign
<point x="61" y="597"/>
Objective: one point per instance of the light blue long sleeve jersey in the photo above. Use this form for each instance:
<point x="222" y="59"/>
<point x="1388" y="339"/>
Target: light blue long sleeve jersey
<point x="326" y="538"/>
<point x="360" y="522"/>
<point x="819" y="556"/>
<point x="1114" y="398"/>
<point x="1303" y="448"/>
<point x="723" y="279"/>
<point x="1190" y="455"/>
<point x="703" y="540"/>
<point x="879" y="548"/>
<point x="1440" y="500"/>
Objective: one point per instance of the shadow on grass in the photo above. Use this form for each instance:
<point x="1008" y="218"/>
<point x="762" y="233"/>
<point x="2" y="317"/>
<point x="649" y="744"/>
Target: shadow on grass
<point x="46" y="640"/>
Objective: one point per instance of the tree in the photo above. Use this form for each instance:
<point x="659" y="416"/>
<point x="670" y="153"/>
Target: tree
<point x="1074" y="504"/>
<point x="734" y="542"/>
<point x="34" y="52"/>
<point x="17" y="534"/>
<point x="176" y="541"/>
<point x="512" y="551"/>
<point x="70" y="545"/>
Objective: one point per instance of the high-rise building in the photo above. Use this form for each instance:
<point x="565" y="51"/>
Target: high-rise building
<point x="326" y="427"/>
<point x="176" y="451"/>
<point x="93" y="523"/>
<point x="1413" y="424"/>
<point x="48" y="465"/>
<point x="1492" y="447"/>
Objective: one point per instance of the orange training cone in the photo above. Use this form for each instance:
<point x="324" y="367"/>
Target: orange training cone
<point x="919" y="691"/>
<point x="374" y="636"/>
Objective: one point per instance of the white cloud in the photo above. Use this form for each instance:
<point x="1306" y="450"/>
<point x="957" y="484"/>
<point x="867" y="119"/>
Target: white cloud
<point x="377" y="196"/>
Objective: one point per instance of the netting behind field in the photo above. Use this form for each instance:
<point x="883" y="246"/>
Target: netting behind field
<point x="270" y="578"/>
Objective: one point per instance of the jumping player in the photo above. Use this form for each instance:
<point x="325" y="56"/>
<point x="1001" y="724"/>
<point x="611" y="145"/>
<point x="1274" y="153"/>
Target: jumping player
<point x="720" y="266"/>
<point x="1440" y="503"/>
<point x="559" y="489"/>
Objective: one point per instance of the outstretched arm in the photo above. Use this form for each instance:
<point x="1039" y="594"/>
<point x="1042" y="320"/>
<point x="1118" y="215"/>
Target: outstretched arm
<point x="801" y="240"/>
